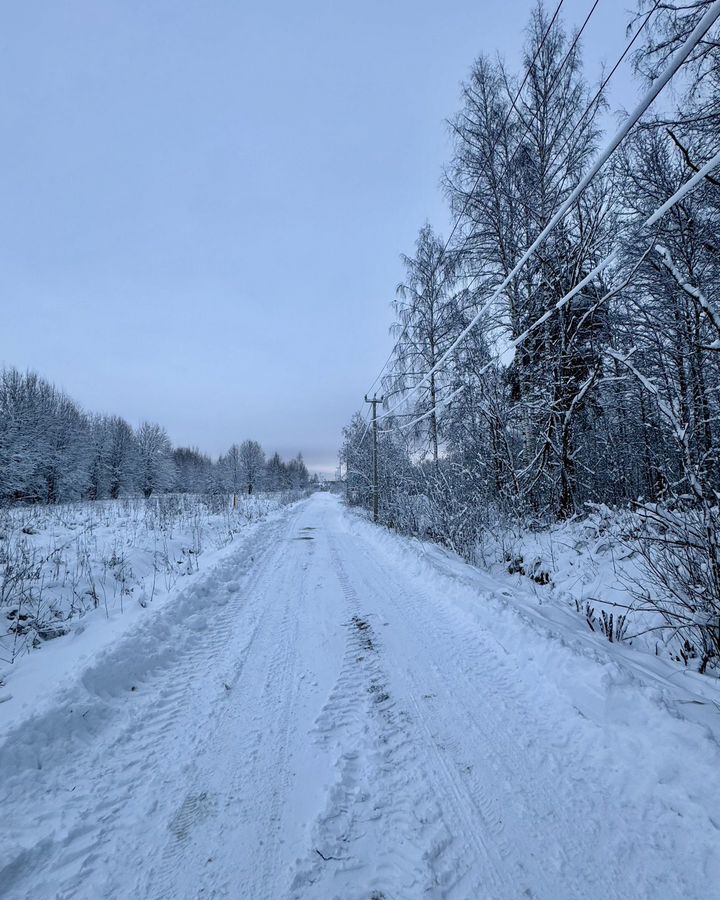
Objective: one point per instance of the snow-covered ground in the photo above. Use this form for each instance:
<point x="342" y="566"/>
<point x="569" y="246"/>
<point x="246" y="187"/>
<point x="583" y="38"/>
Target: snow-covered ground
<point x="331" y="710"/>
<point x="594" y="566"/>
<point x="74" y="577"/>
<point x="637" y="577"/>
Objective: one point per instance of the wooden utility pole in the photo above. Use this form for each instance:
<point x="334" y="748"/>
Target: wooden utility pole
<point x="375" y="400"/>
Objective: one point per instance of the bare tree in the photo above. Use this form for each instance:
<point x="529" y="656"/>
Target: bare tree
<point x="430" y="311"/>
<point x="252" y="465"/>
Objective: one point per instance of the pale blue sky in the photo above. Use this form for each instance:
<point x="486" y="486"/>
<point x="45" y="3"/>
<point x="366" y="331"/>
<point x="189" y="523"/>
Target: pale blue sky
<point x="203" y="203"/>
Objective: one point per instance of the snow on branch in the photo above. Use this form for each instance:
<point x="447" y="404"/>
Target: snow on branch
<point x="697" y="295"/>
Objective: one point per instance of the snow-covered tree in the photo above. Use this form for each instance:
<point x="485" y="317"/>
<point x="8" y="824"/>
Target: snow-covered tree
<point x="251" y="465"/>
<point x="430" y="312"/>
<point x="192" y="470"/>
<point x="156" y="469"/>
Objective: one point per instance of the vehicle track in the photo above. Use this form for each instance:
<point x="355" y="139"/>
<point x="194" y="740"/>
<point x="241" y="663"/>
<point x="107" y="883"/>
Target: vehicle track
<point x="311" y="721"/>
<point x="126" y="738"/>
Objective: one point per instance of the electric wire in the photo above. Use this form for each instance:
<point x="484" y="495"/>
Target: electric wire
<point x="705" y="23"/>
<point x="688" y="186"/>
<point x="596" y="97"/>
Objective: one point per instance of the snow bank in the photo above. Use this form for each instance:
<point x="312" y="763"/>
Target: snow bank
<point x="547" y="579"/>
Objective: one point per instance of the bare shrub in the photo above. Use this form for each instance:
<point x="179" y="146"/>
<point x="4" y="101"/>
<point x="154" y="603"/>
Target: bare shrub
<point x="679" y="549"/>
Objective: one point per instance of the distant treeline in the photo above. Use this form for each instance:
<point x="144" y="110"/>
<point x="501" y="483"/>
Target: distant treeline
<point x="52" y="451"/>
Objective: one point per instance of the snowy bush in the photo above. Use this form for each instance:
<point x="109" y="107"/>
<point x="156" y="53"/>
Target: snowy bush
<point x="679" y="549"/>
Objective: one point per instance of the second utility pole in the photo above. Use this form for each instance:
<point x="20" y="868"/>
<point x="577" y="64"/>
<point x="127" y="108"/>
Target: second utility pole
<point x="375" y="400"/>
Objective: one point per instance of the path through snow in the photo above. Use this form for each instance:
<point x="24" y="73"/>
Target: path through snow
<point x="317" y="718"/>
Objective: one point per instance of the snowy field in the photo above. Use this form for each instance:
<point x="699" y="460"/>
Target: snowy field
<point x="82" y="573"/>
<point x="327" y="710"/>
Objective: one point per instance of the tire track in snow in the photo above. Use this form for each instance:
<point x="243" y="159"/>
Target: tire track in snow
<point x="381" y="834"/>
<point x="517" y="781"/>
<point x="532" y="781"/>
<point x="473" y="857"/>
<point x="234" y="764"/>
<point x="126" y="742"/>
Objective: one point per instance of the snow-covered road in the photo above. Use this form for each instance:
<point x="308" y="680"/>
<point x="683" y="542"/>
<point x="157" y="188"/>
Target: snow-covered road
<point x="322" y="716"/>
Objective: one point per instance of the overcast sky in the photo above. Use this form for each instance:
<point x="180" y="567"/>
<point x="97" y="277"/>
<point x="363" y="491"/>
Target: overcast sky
<point x="203" y="203"/>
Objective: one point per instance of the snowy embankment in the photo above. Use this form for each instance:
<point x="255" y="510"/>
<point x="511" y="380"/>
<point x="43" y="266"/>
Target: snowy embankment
<point x="74" y="578"/>
<point x="560" y="581"/>
<point x="581" y="584"/>
<point x="602" y="572"/>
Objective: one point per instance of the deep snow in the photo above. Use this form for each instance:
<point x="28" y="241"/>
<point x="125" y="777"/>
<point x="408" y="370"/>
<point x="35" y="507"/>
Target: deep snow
<point x="334" y="711"/>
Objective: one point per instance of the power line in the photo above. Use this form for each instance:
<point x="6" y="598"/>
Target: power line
<point x="586" y="112"/>
<point x="689" y="185"/>
<point x="677" y="60"/>
<point x="512" y="107"/>
<point x="606" y="80"/>
<point x="588" y="108"/>
<point x="439" y="405"/>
